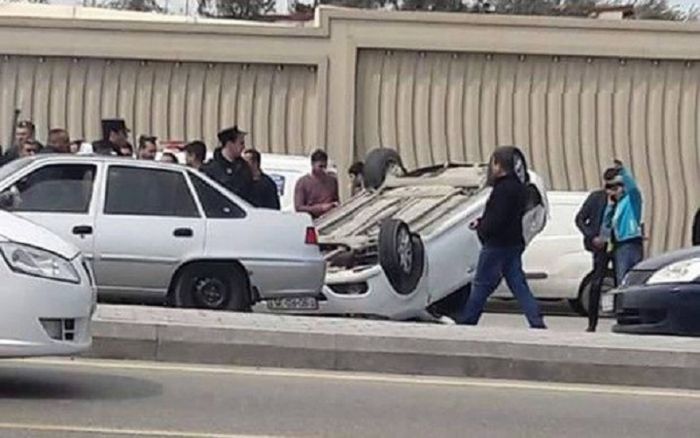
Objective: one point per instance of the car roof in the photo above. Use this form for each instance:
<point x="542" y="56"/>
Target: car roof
<point x="96" y="158"/>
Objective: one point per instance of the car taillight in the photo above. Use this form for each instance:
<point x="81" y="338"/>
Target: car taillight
<point x="311" y="236"/>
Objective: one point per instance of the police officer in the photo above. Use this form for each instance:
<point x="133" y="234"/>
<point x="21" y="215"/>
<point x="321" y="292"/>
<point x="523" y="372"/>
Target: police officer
<point x="228" y="167"/>
<point x="115" y="136"/>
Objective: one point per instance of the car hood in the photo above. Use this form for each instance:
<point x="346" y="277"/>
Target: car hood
<point x="658" y="262"/>
<point x="16" y="229"/>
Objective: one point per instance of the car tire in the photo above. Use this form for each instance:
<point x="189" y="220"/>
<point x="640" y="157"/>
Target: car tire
<point x="401" y="255"/>
<point x="212" y="286"/>
<point x="378" y="163"/>
<point x="580" y="304"/>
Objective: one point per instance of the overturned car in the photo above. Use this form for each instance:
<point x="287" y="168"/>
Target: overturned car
<point x="402" y="248"/>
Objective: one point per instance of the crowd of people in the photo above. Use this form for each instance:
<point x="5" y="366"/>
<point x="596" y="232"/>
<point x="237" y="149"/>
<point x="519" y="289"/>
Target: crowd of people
<point x="233" y="165"/>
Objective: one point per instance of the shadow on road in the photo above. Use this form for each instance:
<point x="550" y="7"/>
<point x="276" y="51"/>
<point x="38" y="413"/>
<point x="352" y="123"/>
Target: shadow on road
<point x="33" y="383"/>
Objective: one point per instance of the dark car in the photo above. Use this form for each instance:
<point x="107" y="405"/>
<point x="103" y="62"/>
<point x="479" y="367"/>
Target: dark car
<point x="661" y="296"/>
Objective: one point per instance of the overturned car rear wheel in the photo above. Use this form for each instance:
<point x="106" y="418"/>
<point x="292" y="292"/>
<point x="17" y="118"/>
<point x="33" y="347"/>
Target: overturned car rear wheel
<point x="401" y="255"/>
<point x="378" y="164"/>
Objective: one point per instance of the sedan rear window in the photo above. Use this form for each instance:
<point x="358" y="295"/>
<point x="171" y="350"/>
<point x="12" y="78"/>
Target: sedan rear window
<point x="215" y="205"/>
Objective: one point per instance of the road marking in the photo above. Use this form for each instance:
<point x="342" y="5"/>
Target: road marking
<point x="367" y="377"/>
<point x="126" y="432"/>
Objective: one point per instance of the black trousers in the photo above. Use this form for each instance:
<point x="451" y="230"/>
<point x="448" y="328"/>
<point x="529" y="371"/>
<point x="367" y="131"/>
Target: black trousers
<point x="601" y="267"/>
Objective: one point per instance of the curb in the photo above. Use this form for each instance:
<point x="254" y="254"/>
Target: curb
<point x="532" y="359"/>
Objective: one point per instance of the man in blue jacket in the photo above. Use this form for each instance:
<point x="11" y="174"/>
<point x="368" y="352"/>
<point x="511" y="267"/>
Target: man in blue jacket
<point x="623" y="221"/>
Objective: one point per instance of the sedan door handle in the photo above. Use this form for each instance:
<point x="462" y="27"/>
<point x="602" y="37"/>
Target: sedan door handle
<point x="82" y="229"/>
<point x="183" y="232"/>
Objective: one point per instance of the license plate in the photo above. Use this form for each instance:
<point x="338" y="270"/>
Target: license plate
<point x="607" y="303"/>
<point x="293" y="303"/>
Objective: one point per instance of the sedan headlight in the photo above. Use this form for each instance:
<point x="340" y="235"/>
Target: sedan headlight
<point x="37" y="262"/>
<point x="686" y="271"/>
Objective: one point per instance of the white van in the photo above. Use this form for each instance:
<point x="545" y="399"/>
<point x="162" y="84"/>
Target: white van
<point x="556" y="264"/>
<point x="285" y="171"/>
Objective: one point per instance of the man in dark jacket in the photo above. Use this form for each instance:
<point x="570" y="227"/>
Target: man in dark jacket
<point x="501" y="233"/>
<point x="115" y="136"/>
<point x="696" y="229"/>
<point x="589" y="221"/>
<point x="25" y="132"/>
<point x="228" y="167"/>
<point x="265" y="193"/>
<point x="57" y="143"/>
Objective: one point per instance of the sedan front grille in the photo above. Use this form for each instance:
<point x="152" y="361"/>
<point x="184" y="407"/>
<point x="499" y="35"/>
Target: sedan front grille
<point x="60" y="329"/>
<point x="644" y="316"/>
<point x="629" y="317"/>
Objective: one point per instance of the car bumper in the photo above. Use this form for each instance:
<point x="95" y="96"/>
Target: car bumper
<point x="44" y="317"/>
<point x="672" y="309"/>
<point x="339" y="296"/>
<point x="284" y="278"/>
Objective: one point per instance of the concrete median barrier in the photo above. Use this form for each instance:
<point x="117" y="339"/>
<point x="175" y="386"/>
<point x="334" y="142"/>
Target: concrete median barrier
<point x="491" y="351"/>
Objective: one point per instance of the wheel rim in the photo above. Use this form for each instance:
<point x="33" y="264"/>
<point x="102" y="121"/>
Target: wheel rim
<point x="209" y="292"/>
<point x="394" y="169"/>
<point x="405" y="251"/>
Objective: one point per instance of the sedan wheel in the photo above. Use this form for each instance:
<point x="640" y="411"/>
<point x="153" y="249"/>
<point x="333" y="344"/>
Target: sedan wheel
<point x="209" y="292"/>
<point x="401" y="256"/>
<point x="212" y="286"/>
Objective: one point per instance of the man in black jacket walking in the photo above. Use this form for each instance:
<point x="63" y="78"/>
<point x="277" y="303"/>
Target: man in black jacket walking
<point x="501" y="233"/>
<point x="228" y="167"/>
<point x="589" y="221"/>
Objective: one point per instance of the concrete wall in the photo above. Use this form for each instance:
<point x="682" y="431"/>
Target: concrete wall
<point x="574" y="93"/>
<point x="571" y="114"/>
<point x="172" y="100"/>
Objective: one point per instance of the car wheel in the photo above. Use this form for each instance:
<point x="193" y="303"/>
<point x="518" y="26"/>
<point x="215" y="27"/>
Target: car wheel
<point x="378" y="164"/>
<point x="580" y="304"/>
<point x="213" y="287"/>
<point x="401" y="255"/>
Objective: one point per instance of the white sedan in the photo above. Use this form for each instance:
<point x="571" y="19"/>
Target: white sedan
<point x="47" y="293"/>
<point x="155" y="231"/>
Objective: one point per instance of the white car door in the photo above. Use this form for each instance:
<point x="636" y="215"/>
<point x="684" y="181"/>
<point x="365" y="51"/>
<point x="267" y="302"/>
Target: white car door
<point x="148" y="224"/>
<point x="60" y="197"/>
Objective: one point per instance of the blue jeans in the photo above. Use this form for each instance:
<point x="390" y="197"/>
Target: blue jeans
<point x="627" y="255"/>
<point x="494" y="264"/>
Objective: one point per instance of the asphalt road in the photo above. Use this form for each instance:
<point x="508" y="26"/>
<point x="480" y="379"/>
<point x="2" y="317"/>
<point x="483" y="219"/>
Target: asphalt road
<point x="56" y="398"/>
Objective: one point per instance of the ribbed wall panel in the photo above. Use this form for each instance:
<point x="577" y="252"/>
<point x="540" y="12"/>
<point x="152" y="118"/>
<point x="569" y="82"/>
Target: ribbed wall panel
<point x="171" y="100"/>
<point x="571" y="115"/>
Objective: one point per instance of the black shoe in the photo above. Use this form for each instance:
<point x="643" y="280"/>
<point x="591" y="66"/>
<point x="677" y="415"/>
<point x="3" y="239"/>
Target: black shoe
<point x="590" y="329"/>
